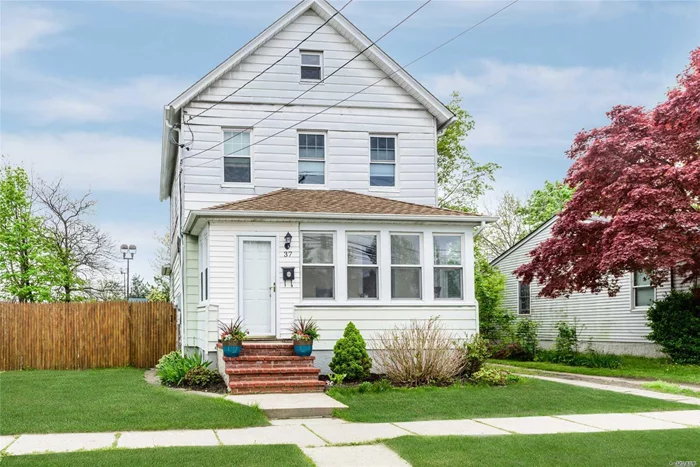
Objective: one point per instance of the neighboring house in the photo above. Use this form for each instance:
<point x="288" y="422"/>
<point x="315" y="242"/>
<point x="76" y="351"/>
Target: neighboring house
<point x="614" y="324"/>
<point x="344" y="202"/>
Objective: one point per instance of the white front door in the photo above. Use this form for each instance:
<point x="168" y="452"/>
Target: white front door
<point x="256" y="272"/>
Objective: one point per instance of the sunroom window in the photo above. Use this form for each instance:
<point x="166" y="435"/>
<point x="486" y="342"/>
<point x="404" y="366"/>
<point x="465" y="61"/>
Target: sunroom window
<point x="448" y="271"/>
<point x="318" y="268"/>
<point x="406" y="271"/>
<point x="363" y="268"/>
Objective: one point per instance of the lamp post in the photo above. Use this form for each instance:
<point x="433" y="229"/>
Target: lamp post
<point x="128" y="252"/>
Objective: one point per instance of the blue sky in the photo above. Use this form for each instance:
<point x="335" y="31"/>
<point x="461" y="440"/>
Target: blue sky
<point x="83" y="83"/>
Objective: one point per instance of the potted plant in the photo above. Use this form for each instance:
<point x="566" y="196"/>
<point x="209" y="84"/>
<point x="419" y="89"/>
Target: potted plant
<point x="304" y="331"/>
<point x="232" y="337"/>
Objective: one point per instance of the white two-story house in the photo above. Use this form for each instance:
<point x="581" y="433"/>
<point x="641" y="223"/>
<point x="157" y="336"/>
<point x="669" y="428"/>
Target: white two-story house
<point x="321" y="208"/>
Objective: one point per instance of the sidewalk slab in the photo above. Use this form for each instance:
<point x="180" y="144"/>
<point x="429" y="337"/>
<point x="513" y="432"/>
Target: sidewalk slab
<point x="357" y="432"/>
<point x="684" y="417"/>
<point x="304" y="405"/>
<point x="450" y="428"/>
<point x="352" y="456"/>
<point x="290" y="434"/>
<point x="151" y="439"/>
<point x="308" y="421"/>
<point x="63" y="442"/>
<point x="536" y="425"/>
<point x="621" y="421"/>
<point x="5" y="441"/>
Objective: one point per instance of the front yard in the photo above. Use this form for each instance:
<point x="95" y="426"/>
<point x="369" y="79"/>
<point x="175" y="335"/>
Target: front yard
<point x="621" y="449"/>
<point x="109" y="400"/>
<point x="524" y="398"/>
<point x="632" y="367"/>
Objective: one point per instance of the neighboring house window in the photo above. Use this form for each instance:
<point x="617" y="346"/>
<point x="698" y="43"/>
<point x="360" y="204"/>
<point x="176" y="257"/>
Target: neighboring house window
<point x="382" y="166"/>
<point x="203" y="267"/>
<point x="311" y="66"/>
<point x="312" y="155"/>
<point x="318" y="269"/>
<point x="643" y="291"/>
<point x="363" y="268"/>
<point x="406" y="269"/>
<point x="237" y="156"/>
<point x="447" y="272"/>
<point x="523" y="298"/>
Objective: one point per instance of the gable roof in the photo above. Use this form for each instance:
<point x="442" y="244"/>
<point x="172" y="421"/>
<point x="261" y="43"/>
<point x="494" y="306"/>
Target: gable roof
<point x="523" y="240"/>
<point x="334" y="205"/>
<point x="344" y="27"/>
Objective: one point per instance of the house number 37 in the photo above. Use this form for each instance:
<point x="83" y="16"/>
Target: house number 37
<point x="287" y="254"/>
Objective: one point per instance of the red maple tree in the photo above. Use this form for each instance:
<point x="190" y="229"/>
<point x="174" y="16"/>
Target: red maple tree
<point x="637" y="200"/>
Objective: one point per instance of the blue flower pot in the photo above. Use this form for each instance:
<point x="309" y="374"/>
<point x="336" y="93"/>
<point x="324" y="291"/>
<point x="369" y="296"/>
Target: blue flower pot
<point x="231" y="349"/>
<point x="303" y="348"/>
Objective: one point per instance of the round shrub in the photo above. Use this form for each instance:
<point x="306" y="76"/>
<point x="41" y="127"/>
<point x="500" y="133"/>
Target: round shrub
<point x="201" y="378"/>
<point x="675" y="326"/>
<point x="475" y="351"/>
<point x="350" y="355"/>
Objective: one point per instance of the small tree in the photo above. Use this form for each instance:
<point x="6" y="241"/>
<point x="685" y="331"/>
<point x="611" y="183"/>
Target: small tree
<point x="160" y="292"/>
<point x="545" y="203"/>
<point x="139" y="288"/>
<point x="508" y="230"/>
<point x="490" y="285"/>
<point x="350" y="355"/>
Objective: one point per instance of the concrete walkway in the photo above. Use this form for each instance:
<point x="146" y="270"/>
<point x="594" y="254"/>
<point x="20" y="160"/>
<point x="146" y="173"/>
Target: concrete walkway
<point x="318" y="436"/>
<point x="616" y="388"/>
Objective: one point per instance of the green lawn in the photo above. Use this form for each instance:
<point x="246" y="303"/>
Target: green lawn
<point x="632" y="367"/>
<point x="527" y="397"/>
<point x="619" y="449"/>
<point x="108" y="400"/>
<point x="248" y="456"/>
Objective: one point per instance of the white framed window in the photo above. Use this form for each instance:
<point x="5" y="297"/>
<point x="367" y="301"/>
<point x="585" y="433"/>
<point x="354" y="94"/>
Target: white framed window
<point x="448" y="270"/>
<point x="312" y="158"/>
<point x="643" y="293"/>
<point x="382" y="161"/>
<point x="237" y="160"/>
<point x="203" y="261"/>
<point x="406" y="270"/>
<point x="363" y="267"/>
<point x="523" y="298"/>
<point x="311" y="66"/>
<point x="318" y="266"/>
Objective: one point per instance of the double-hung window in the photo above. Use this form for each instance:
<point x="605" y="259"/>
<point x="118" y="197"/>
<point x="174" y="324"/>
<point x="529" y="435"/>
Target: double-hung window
<point x="311" y="66"/>
<point x="203" y="267"/>
<point x="312" y="156"/>
<point x="447" y="271"/>
<point x="523" y="298"/>
<point x="363" y="268"/>
<point x="382" y="165"/>
<point x="406" y="269"/>
<point x="643" y="292"/>
<point x="237" y="156"/>
<point x="318" y="268"/>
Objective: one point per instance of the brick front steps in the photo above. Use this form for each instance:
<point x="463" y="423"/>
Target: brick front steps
<point x="268" y="367"/>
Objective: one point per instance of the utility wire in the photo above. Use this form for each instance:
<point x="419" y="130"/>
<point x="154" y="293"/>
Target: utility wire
<point x="275" y="63"/>
<point x="367" y="87"/>
<point x="312" y="87"/>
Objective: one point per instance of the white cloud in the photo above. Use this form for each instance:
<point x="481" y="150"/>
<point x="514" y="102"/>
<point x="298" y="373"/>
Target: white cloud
<point x="26" y="28"/>
<point x="527" y="107"/>
<point x="77" y="101"/>
<point x="98" y="161"/>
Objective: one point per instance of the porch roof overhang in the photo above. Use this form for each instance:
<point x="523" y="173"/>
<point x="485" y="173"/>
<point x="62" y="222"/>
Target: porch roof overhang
<point x="196" y="220"/>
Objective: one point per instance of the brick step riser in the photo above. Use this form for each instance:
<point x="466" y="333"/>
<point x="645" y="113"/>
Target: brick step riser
<point x="267" y="352"/>
<point x="281" y="371"/>
<point x="267" y="390"/>
<point x="271" y="379"/>
<point x="230" y="369"/>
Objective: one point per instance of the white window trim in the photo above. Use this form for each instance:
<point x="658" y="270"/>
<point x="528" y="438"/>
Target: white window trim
<point x="633" y="297"/>
<point x="203" y="268"/>
<point x="250" y="154"/>
<point x="321" y="66"/>
<point x="421" y="247"/>
<point x="363" y="266"/>
<point x="334" y="264"/>
<point x="529" y="299"/>
<point x="319" y="186"/>
<point x="383" y="189"/>
<point x="450" y="266"/>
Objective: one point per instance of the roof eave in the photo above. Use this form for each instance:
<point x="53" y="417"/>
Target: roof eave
<point x="193" y="216"/>
<point x="167" y="154"/>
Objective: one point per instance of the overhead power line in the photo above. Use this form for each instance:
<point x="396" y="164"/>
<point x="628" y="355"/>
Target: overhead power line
<point x="293" y="49"/>
<point x="361" y="52"/>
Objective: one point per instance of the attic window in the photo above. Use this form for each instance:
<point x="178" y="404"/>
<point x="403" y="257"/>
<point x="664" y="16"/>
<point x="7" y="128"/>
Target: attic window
<point x="311" y="66"/>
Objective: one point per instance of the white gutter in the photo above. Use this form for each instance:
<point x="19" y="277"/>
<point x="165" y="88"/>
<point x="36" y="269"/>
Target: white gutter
<point x="214" y="214"/>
